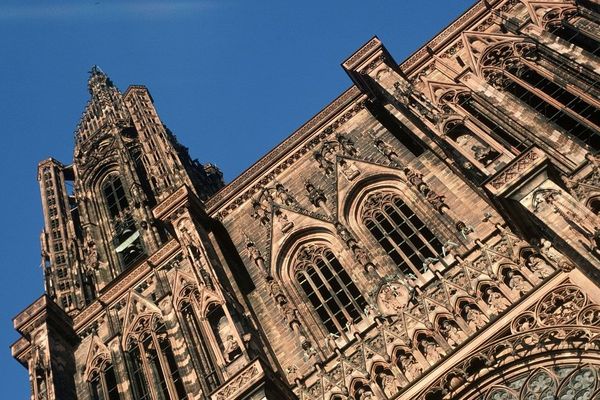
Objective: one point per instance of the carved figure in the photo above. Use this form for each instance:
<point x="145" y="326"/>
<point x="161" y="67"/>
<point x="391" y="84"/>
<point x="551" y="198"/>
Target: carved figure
<point x="453" y="335"/>
<point x="539" y="266"/>
<point x="389" y="384"/>
<point x="552" y="254"/>
<point x="345" y="235"/>
<point x="517" y="283"/>
<point x="474" y="317"/>
<point x="387" y="151"/>
<point x="496" y="301"/>
<point x="260" y="213"/>
<point x="364" y="393"/>
<point x="347" y="145"/>
<point x="232" y="348"/>
<point x="409" y="366"/>
<point x="283" y="196"/>
<point x="431" y="350"/>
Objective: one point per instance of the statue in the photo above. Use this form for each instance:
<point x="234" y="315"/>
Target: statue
<point x="539" y="266"/>
<point x="231" y="348"/>
<point x="475" y="318"/>
<point x="283" y="196"/>
<point x="431" y="350"/>
<point x="518" y="284"/>
<point x="389" y="384"/>
<point x="409" y="366"/>
<point x="496" y="301"/>
<point x="450" y="331"/>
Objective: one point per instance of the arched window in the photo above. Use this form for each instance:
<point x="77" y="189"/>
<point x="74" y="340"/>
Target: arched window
<point x="203" y="358"/>
<point x="332" y="293"/>
<point x="470" y="143"/>
<point x="114" y="195"/>
<point x="466" y="102"/>
<point x="512" y="67"/>
<point x="153" y="364"/>
<point x="401" y="233"/>
<point x="103" y="383"/>
<point x="578" y="38"/>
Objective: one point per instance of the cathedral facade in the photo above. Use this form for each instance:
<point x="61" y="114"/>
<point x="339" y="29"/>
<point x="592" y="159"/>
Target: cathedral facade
<point x="431" y="234"/>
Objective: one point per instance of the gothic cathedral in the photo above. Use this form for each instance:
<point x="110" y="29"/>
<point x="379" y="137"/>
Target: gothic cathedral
<point x="433" y="233"/>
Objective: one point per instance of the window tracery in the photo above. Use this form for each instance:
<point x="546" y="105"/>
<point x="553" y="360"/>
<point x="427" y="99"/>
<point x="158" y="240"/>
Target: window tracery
<point x="329" y="288"/>
<point x="198" y="345"/>
<point x="512" y="66"/>
<point x="565" y="382"/>
<point x="402" y="234"/>
<point x="102" y="380"/>
<point x="154" y="371"/>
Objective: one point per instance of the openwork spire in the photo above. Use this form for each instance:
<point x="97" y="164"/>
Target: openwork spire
<point x="98" y="81"/>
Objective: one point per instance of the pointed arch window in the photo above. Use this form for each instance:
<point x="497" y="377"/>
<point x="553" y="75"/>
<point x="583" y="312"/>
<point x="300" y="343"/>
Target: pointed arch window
<point x="103" y="382"/>
<point x="462" y="102"/>
<point x="576" y="37"/>
<point x="512" y="67"/>
<point x="203" y="357"/>
<point x="114" y="195"/>
<point x="401" y="233"/>
<point x="154" y="371"/>
<point x="329" y="288"/>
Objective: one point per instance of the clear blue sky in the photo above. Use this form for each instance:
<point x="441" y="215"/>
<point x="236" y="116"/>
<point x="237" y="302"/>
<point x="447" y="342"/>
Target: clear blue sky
<point x="231" y="78"/>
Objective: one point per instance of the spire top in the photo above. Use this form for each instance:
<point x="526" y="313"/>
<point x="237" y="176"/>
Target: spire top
<point x="98" y="80"/>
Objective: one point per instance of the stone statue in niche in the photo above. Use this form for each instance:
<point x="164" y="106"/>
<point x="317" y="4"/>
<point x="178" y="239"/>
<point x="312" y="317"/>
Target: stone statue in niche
<point x="517" y="283"/>
<point x="409" y="366"/>
<point x="496" y="301"/>
<point x="451" y="332"/>
<point x="475" y="318"/>
<point x="539" y="266"/>
<point x="364" y="393"/>
<point x="431" y="350"/>
<point x="231" y="348"/>
<point x="389" y="384"/>
<point x="260" y="213"/>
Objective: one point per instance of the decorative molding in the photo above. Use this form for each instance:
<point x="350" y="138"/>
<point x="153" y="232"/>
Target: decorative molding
<point x="515" y="170"/>
<point x="123" y="283"/>
<point x="238" y="191"/>
<point x="240" y="383"/>
<point x="167" y="204"/>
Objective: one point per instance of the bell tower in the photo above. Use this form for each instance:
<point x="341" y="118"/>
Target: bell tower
<point x="98" y="218"/>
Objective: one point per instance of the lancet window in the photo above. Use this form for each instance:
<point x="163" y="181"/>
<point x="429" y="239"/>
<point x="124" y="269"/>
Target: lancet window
<point x="512" y="67"/>
<point x="202" y="356"/>
<point x="103" y="382"/>
<point x="479" y="122"/>
<point x="114" y="195"/>
<point x="153" y="368"/>
<point x="127" y="240"/>
<point x="329" y="288"/>
<point x="577" y="37"/>
<point x="401" y="233"/>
